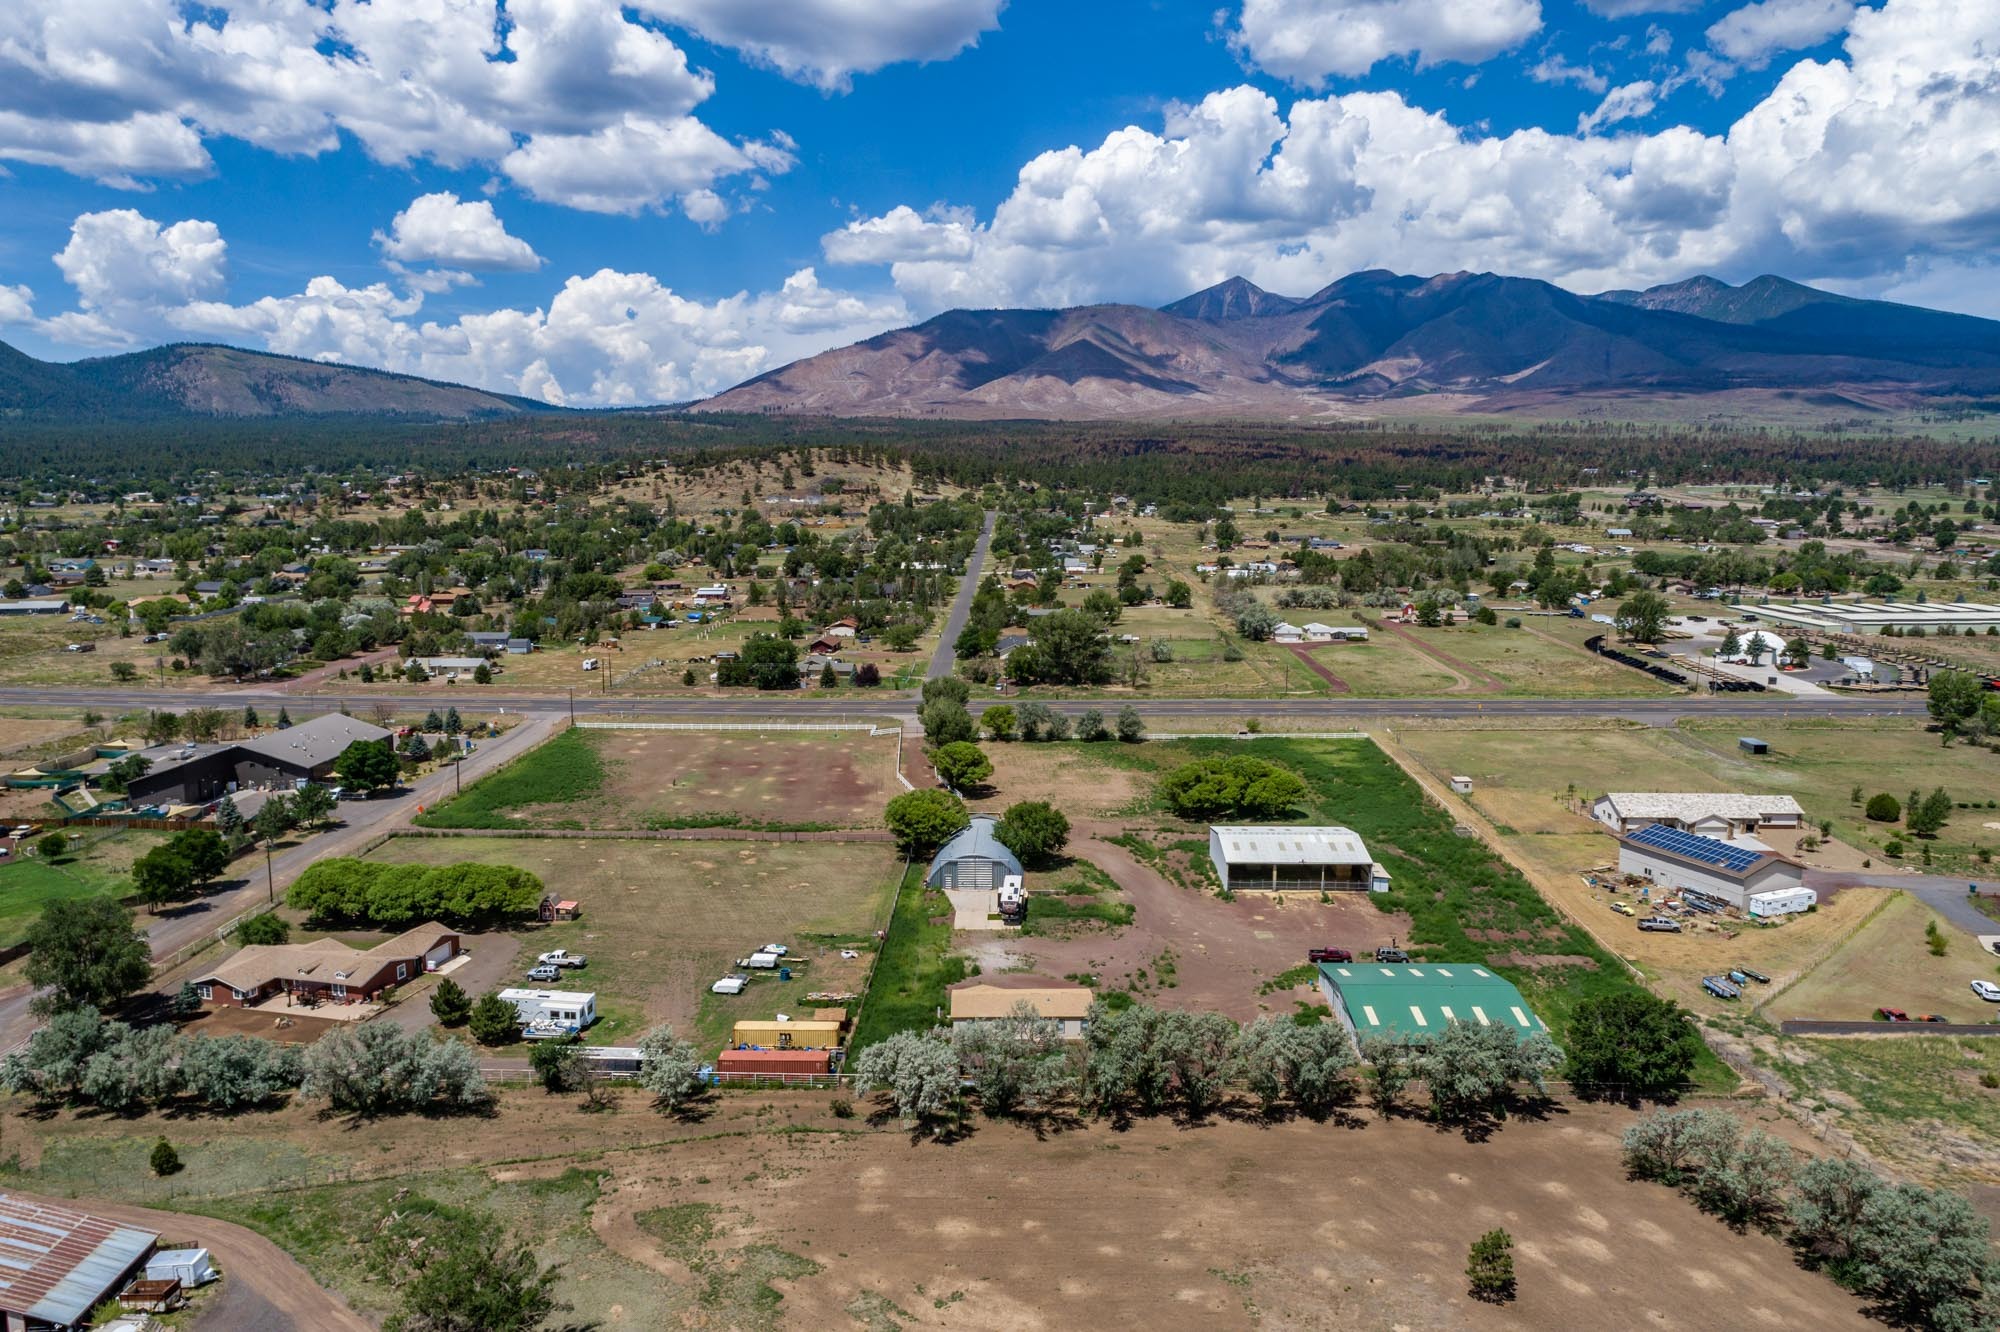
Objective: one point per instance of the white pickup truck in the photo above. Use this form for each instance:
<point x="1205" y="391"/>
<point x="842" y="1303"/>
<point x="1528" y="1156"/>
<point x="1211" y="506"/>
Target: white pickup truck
<point x="562" y="957"/>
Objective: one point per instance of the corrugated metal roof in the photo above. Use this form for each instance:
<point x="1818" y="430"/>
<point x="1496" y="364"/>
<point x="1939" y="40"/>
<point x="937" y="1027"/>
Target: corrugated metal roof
<point x="55" y="1264"/>
<point x="1690" y="806"/>
<point x="1277" y="845"/>
<point x="1423" y="998"/>
<point x="976" y="842"/>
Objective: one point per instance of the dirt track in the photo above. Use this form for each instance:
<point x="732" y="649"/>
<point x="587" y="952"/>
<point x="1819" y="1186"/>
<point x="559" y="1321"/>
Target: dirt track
<point x="263" y="1289"/>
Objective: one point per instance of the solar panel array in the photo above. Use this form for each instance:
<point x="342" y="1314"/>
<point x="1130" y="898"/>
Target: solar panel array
<point x="1693" y="846"/>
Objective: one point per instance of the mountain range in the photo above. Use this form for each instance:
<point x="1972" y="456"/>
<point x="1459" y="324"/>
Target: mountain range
<point x="1378" y="341"/>
<point x="1372" y="343"/>
<point x="195" y="380"/>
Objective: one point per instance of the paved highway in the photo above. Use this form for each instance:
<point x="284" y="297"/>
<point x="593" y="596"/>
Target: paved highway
<point x="1654" y="711"/>
<point x="944" y="658"/>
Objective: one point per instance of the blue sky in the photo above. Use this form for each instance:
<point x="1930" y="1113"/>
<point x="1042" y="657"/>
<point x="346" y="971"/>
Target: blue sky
<point x="603" y="204"/>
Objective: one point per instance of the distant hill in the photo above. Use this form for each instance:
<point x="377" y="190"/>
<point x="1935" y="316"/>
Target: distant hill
<point x="1466" y="341"/>
<point x="195" y="380"/>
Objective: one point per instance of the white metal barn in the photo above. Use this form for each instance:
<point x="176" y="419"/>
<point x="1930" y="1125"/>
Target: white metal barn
<point x="1278" y="859"/>
<point x="974" y="859"/>
<point x="1683" y="862"/>
<point x="1710" y="813"/>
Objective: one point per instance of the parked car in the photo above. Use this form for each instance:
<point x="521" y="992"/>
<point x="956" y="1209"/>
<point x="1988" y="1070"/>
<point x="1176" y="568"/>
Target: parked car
<point x="1622" y="909"/>
<point x="1391" y="955"/>
<point x="1660" y="925"/>
<point x="545" y="972"/>
<point x="1328" y="955"/>
<point x="1892" y="1015"/>
<point x="81" y="647"/>
<point x="1987" y="990"/>
<point x="562" y="957"/>
<point x="1931" y="1017"/>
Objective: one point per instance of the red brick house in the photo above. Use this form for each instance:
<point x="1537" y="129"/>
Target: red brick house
<point x="326" y="970"/>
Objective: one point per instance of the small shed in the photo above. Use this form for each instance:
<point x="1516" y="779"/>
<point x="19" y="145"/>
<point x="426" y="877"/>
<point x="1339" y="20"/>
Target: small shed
<point x="190" y="1267"/>
<point x="1750" y="744"/>
<point x="772" y="1065"/>
<point x="1462" y="785"/>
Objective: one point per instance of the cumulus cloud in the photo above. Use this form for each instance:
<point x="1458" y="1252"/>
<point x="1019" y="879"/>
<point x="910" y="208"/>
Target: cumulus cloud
<point x="1306" y="41"/>
<point x="1753" y="34"/>
<point x="123" y="90"/>
<point x="827" y="42"/>
<point x="631" y="165"/>
<point x="443" y="229"/>
<point x="1554" y="68"/>
<point x="606" y="339"/>
<point x="1847" y="168"/>
<point x="1631" y="101"/>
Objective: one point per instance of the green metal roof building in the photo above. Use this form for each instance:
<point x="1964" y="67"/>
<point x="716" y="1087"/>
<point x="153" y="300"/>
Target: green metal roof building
<point x="1420" y="999"/>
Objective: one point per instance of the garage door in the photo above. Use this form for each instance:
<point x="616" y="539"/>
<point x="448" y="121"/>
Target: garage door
<point x="974" y="872"/>
<point x="439" y="955"/>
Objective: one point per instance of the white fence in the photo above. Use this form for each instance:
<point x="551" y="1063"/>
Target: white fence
<point x="872" y="728"/>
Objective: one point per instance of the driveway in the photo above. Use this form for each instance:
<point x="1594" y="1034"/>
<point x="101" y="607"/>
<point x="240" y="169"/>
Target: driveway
<point x="1947" y="896"/>
<point x="263" y="1288"/>
<point x="493" y="962"/>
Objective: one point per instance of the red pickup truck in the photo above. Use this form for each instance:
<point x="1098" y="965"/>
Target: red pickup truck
<point x="1328" y="955"/>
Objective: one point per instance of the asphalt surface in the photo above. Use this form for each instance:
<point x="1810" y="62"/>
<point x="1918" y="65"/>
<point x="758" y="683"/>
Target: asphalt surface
<point x="1949" y="897"/>
<point x="944" y="658"/>
<point x="1813" y="1027"/>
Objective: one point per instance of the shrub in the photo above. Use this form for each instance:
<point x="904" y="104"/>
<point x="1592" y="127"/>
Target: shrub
<point x="1235" y="785"/>
<point x="398" y="896"/>
<point x="164" y="1159"/>
<point x="961" y="764"/>
<point x="1090" y="726"/>
<point x="1884" y="808"/>
<point x="450" y="1004"/>
<point x="264" y="928"/>
<point x="493" y="1021"/>
<point x="1489" y="1267"/>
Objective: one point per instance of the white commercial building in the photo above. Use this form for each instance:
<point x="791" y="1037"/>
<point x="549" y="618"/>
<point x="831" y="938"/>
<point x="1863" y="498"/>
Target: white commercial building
<point x="1710" y="813"/>
<point x="1872" y="617"/>
<point x="1278" y="859"/>
<point x="1718" y="872"/>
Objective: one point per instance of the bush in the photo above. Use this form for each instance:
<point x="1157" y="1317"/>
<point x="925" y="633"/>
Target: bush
<point x="1090" y="726"/>
<point x="264" y="928"/>
<point x="494" y="1021"/>
<point x="450" y="1004"/>
<point x="1884" y="808"/>
<point x="1489" y="1267"/>
<point x="164" y="1159"/>
<point x="1630" y="1044"/>
<point x="1238" y="785"/>
<point x="342" y="889"/>
<point x="372" y="1068"/>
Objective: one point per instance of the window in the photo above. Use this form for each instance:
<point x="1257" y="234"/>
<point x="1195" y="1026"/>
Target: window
<point x="205" y="991"/>
<point x="402" y="970"/>
<point x="241" y="995"/>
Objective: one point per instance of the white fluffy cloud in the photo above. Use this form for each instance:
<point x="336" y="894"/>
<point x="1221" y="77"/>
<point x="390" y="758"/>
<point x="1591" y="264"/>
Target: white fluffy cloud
<point x="827" y="42"/>
<point x="1553" y="68"/>
<point x="126" y="89"/>
<point x="606" y="339"/>
<point x="444" y="229"/>
<point x="1628" y="8"/>
<point x="1753" y="34"/>
<point x="1849" y="168"/>
<point x="1630" y="101"/>
<point x="1305" y="41"/>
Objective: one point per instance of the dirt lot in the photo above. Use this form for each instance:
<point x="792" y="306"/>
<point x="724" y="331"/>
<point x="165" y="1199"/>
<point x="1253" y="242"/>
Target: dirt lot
<point x="1071" y="781"/>
<point x="661" y="920"/>
<point x="1228" y="1225"/>
<point x="837" y="779"/>
<point x="1187" y="948"/>
<point x="23" y="733"/>
<point x="302" y="1029"/>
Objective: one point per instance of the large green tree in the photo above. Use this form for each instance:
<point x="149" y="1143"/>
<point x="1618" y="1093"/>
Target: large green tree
<point x="1034" y="830"/>
<point x="1631" y="1044"/>
<point x="85" y="954"/>
<point x="925" y="819"/>
<point x="961" y="764"/>
<point x="366" y="765"/>
<point x="1642" y="617"/>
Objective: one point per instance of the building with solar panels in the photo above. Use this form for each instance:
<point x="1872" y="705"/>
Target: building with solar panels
<point x="1418" y="1000"/>
<point x="1748" y="878"/>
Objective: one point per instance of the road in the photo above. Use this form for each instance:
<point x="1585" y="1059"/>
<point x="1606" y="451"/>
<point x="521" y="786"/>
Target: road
<point x="1816" y="1027"/>
<point x="263" y="1288"/>
<point x="363" y="820"/>
<point x="855" y="703"/>
<point x="945" y="658"/>
<point x="1943" y="894"/>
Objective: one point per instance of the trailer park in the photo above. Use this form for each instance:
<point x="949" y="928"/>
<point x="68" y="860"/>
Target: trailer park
<point x="1418" y="882"/>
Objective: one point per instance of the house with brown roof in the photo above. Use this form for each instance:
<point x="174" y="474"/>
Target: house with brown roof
<point x="994" y="998"/>
<point x="326" y="970"/>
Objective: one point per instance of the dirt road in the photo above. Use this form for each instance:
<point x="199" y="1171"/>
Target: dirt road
<point x="263" y="1288"/>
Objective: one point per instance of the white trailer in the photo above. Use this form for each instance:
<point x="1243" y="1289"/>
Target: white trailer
<point x="1780" y="902"/>
<point x="553" y="1011"/>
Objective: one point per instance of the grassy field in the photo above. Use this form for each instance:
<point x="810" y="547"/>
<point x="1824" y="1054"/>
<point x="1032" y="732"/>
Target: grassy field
<point x="1537" y="665"/>
<point x="635" y="780"/>
<point x="662" y="920"/>
<point x="97" y="866"/>
<point x="916" y="965"/>
<point x="1888" y="962"/>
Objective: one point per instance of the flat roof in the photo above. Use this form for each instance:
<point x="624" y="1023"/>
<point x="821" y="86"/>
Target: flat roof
<point x="1861" y="616"/>
<point x="1279" y="845"/>
<point x="56" y="1264"/>
<point x="578" y="997"/>
<point x="311" y="743"/>
<point x="1687" y="806"/>
<point x="1421" y="999"/>
<point x="1050" y="999"/>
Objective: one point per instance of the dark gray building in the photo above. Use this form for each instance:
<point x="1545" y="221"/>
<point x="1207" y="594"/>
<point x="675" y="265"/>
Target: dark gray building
<point x="304" y="752"/>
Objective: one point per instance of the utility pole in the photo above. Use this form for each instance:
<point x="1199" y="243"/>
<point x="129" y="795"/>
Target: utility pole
<point x="572" y="707"/>
<point x="270" y="877"/>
